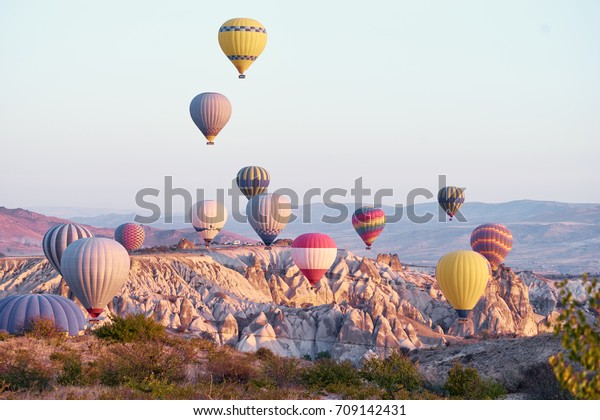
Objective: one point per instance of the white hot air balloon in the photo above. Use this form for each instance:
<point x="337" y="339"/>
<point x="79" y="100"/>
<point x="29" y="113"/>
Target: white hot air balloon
<point x="95" y="269"/>
<point x="268" y="214"/>
<point x="208" y="218"/>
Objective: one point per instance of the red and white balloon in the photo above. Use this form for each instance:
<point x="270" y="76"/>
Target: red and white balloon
<point x="314" y="253"/>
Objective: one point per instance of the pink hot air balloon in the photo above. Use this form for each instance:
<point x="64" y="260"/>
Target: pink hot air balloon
<point x="314" y="253"/>
<point x="130" y="235"/>
<point x="210" y="111"/>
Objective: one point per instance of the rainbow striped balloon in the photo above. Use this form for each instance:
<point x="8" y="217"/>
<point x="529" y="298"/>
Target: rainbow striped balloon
<point x="368" y="223"/>
<point x="493" y="241"/>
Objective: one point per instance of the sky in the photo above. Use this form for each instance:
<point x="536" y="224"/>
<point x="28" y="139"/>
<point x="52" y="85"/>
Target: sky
<point x="502" y="98"/>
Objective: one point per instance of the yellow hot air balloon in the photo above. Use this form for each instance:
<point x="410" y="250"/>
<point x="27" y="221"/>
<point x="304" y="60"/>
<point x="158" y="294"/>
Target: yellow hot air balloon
<point x="242" y="40"/>
<point x="463" y="276"/>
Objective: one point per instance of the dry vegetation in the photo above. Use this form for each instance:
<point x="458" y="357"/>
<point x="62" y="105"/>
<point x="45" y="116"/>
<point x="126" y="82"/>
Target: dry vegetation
<point x="135" y="358"/>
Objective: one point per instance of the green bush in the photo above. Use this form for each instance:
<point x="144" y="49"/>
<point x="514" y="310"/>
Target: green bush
<point x="72" y="368"/>
<point x="393" y="373"/>
<point x="539" y="383"/>
<point x="465" y="383"/>
<point x="131" y="328"/>
<point x="323" y="355"/>
<point x="139" y="361"/>
<point x="327" y="374"/>
<point x="280" y="371"/>
<point x="24" y="371"/>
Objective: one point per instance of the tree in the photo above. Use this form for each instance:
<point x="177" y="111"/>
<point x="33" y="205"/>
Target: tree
<point x="577" y="368"/>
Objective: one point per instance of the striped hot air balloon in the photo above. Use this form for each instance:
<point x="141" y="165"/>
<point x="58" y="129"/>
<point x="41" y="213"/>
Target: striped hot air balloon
<point x="58" y="238"/>
<point x="314" y="253"/>
<point x="210" y="112"/>
<point x="18" y="312"/>
<point x="493" y="241"/>
<point x="130" y="235"/>
<point x="268" y="214"/>
<point x="95" y="269"/>
<point x="242" y="40"/>
<point x="463" y="277"/>
<point x="253" y="180"/>
<point x="450" y="199"/>
<point x="368" y="223"/>
<point x="208" y="218"/>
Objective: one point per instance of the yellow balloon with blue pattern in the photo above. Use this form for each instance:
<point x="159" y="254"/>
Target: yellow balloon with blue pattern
<point x="242" y="40"/>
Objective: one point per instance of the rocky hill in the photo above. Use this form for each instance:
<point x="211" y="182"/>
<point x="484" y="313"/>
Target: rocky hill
<point x="249" y="297"/>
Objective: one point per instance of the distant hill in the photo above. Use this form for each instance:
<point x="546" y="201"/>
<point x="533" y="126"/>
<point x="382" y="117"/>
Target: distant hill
<point x="21" y="232"/>
<point x="550" y="237"/>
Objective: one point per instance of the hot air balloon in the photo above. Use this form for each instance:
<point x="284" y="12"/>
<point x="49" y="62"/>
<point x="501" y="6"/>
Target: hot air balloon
<point x="130" y="235"/>
<point x="450" y="199"/>
<point x="58" y="237"/>
<point x="95" y="269"/>
<point x="253" y="180"/>
<point x="493" y="241"/>
<point x="208" y="218"/>
<point x="210" y="112"/>
<point x="368" y="223"/>
<point x="17" y="312"/>
<point x="463" y="276"/>
<point x="268" y="214"/>
<point x="242" y="40"/>
<point x="314" y="253"/>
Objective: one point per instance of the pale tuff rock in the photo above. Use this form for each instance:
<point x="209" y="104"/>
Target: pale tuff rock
<point x="250" y="297"/>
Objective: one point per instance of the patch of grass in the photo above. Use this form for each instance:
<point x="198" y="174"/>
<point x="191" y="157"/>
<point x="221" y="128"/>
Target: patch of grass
<point x="392" y="374"/>
<point x="466" y="384"/>
<point x="131" y="328"/>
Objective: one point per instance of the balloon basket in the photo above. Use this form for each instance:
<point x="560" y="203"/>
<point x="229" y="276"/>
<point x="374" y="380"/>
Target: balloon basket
<point x="210" y="143"/>
<point x="368" y="247"/>
<point x="242" y="76"/>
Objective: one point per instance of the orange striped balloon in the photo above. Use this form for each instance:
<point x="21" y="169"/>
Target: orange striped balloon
<point x="493" y="241"/>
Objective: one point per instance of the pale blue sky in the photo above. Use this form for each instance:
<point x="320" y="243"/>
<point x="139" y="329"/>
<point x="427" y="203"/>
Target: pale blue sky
<point x="503" y="99"/>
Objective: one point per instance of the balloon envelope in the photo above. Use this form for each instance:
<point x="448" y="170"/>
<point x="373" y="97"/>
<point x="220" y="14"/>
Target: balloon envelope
<point x="368" y="223"/>
<point x="253" y="180"/>
<point x="463" y="277"/>
<point x="314" y="253"/>
<point x="210" y="111"/>
<point x="450" y="199"/>
<point x="58" y="237"/>
<point x="493" y="241"/>
<point x="95" y="269"/>
<point x="130" y="235"/>
<point x="242" y="40"/>
<point x="17" y="313"/>
<point x="268" y="214"/>
<point x="208" y="218"/>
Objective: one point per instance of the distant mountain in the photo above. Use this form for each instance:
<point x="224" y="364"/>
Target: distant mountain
<point x="21" y="232"/>
<point x="550" y="237"/>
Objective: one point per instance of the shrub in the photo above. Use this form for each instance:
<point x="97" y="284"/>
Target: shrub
<point x="323" y="355"/>
<point x="138" y="361"/>
<point x="72" y="368"/>
<point x="539" y="383"/>
<point x="264" y="353"/>
<point x="23" y="370"/>
<point x="4" y="335"/>
<point x="228" y="366"/>
<point x="327" y="374"/>
<point x="280" y="371"/>
<point x="392" y="373"/>
<point x="578" y="367"/>
<point x="131" y="328"/>
<point x="42" y="328"/>
<point x="465" y="383"/>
